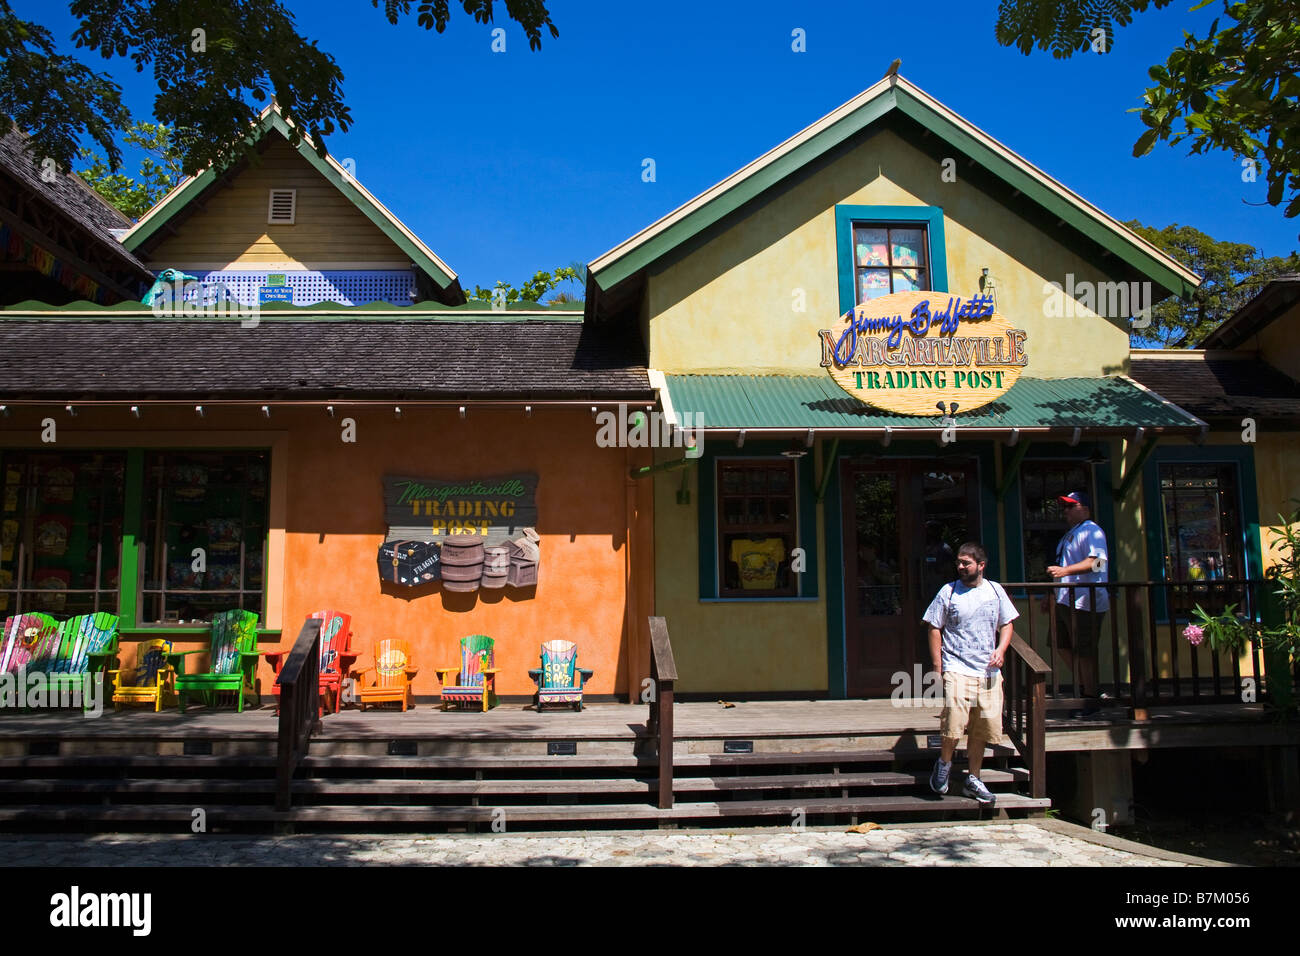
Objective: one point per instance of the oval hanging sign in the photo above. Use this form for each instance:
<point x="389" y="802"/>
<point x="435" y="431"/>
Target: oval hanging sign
<point x="908" y="351"/>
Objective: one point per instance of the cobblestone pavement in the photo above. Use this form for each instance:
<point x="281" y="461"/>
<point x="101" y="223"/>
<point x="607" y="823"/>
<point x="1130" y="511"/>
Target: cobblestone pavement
<point x="1028" y="843"/>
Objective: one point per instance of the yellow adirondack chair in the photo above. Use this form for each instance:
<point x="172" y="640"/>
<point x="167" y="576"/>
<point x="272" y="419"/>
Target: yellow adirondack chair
<point x="393" y="670"/>
<point x="153" y="680"/>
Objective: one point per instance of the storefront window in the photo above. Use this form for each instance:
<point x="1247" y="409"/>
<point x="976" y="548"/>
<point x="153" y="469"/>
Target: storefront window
<point x="204" y="540"/>
<point x="1041" y="484"/>
<point x="889" y="258"/>
<point x="60" y="532"/>
<point x="1202" y="535"/>
<point x="756" y="515"/>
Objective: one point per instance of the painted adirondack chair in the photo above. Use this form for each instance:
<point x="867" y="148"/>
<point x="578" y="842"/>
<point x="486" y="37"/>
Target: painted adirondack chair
<point x="336" y="657"/>
<point x="394" y="670"/>
<point x="559" y="680"/>
<point x="20" y="635"/>
<point x="87" y="644"/>
<point x="153" y="680"/>
<point x="475" y="678"/>
<point x="232" y="661"/>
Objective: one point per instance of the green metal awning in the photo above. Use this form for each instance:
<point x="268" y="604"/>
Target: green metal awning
<point x="779" y="403"/>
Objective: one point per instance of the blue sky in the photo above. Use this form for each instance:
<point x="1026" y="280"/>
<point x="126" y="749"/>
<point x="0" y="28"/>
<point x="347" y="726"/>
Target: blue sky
<point x="506" y="163"/>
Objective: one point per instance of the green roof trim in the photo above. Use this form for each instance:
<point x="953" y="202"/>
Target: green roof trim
<point x="746" y="186"/>
<point x="741" y="193"/>
<point x="815" y="401"/>
<point x="173" y="204"/>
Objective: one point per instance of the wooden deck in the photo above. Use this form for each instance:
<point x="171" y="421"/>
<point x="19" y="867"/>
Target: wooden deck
<point x="616" y="728"/>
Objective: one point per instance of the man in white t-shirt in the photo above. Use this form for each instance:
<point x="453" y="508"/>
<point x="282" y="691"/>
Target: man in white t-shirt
<point x="1081" y="558"/>
<point x="970" y="629"/>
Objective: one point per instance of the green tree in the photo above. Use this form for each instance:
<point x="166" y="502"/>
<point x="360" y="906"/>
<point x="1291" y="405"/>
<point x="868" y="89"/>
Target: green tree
<point x="159" y="171"/>
<point x="1236" y="89"/>
<point x="209" y="59"/>
<point x="1232" y="273"/>
<point x="534" y="289"/>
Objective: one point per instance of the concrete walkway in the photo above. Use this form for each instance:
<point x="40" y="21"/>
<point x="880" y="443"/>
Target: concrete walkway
<point x="1020" y="843"/>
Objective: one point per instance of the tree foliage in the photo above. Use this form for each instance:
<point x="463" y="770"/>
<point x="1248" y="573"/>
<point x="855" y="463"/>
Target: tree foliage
<point x="535" y="288"/>
<point x="159" y="171"/>
<point x="1236" y="89"/>
<point x="1232" y="274"/>
<point x="211" y="60"/>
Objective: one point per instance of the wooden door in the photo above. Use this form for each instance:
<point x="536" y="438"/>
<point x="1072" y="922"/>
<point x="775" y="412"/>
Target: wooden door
<point x="904" y="520"/>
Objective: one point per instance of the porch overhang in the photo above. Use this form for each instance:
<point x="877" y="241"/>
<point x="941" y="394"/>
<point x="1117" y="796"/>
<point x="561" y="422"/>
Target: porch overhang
<point x="786" y="406"/>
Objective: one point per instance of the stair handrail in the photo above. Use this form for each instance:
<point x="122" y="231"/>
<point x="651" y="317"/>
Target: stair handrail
<point x="299" y="683"/>
<point x="1025" y="710"/>
<point x="663" y="674"/>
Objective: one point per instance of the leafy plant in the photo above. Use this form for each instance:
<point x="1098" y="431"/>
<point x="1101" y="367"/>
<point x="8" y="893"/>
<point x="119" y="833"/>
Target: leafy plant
<point x="159" y="172"/>
<point x="535" y="288"/>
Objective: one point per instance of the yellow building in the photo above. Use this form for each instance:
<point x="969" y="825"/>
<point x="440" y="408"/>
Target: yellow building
<point x="796" y="317"/>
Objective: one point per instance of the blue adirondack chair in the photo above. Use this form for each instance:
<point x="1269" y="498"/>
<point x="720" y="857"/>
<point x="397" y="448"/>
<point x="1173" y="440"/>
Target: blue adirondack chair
<point x="87" y="646"/>
<point x="559" y="680"/>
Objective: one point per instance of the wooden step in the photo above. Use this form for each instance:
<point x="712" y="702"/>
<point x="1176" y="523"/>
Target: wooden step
<point x="438" y="787"/>
<point x="345" y="815"/>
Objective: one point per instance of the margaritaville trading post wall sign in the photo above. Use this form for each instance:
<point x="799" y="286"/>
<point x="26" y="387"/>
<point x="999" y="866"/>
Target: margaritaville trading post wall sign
<point x="908" y="351"/>
<point x="461" y="532"/>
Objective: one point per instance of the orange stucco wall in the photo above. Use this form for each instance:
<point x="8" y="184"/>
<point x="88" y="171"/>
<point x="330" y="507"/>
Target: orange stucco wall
<point x="332" y="522"/>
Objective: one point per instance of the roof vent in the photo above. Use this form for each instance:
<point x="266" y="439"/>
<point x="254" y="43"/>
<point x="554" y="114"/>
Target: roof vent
<point x="280" y="211"/>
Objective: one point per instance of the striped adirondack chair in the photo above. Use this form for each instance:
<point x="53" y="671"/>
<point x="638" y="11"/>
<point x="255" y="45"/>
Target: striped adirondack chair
<point x="153" y="680"/>
<point x="87" y="645"/>
<point x="336" y="657"/>
<point x="559" y="680"/>
<point x="232" y="661"/>
<point x="394" y="670"/>
<point x="20" y="635"/>
<point x="475" y="678"/>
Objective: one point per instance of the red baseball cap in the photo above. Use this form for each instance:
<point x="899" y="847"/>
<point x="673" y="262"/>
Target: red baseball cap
<point x="1076" y="498"/>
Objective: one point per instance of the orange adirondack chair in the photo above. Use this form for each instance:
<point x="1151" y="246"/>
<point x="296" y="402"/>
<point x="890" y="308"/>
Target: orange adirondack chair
<point x="393" y="670"/>
<point x="336" y="657"/>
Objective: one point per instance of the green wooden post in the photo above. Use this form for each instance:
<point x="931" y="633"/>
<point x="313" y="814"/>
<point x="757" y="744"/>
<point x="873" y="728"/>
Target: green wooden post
<point x="128" y="578"/>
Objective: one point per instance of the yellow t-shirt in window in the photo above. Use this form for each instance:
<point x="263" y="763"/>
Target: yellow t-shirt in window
<point x="758" y="561"/>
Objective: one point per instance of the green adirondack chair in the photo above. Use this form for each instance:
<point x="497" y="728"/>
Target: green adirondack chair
<point x="232" y="661"/>
<point x="87" y="645"/>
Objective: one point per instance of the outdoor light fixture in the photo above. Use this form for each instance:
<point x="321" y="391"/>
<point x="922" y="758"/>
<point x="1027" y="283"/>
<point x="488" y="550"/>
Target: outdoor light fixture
<point x="1097" y="458"/>
<point x="397" y="412"/>
<point x="329" y="410"/>
<point x="528" y="411"/>
<point x="4" y="410"/>
<point x="70" y="410"/>
<point x="593" y="411"/>
<point x="795" y="450"/>
<point x="266" y="410"/>
<point x="198" y="409"/>
<point x="462" y="411"/>
<point x="135" y="410"/>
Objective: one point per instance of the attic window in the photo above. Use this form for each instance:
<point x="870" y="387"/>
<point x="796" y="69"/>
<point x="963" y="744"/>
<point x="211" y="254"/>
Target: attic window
<point x="282" y="207"/>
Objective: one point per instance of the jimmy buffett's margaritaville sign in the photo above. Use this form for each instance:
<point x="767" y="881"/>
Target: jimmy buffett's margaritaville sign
<point x="908" y="351"/>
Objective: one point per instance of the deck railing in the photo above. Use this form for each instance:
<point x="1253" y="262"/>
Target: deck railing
<point x="663" y="674"/>
<point x="1149" y="660"/>
<point x="299" y="683"/>
<point x="1025" y="709"/>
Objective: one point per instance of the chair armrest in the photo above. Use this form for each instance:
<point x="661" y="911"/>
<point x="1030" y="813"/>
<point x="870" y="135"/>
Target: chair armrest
<point x="275" y="659"/>
<point x="411" y="672"/>
<point x="490" y="670"/>
<point x="584" y="675"/>
<point x="444" y="671"/>
<point x="535" y="674"/>
<point x="358" y="671"/>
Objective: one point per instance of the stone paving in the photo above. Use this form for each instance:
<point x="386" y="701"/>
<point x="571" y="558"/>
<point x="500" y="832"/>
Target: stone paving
<point x="1027" y="843"/>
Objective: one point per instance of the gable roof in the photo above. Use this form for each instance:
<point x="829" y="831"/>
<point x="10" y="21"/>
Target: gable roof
<point x="1278" y="295"/>
<point x="893" y="93"/>
<point x="176" y="201"/>
<point x="72" y="198"/>
<point x="1219" y="385"/>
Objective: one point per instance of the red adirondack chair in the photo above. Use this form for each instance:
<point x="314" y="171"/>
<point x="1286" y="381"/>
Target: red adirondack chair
<point x="336" y="657"/>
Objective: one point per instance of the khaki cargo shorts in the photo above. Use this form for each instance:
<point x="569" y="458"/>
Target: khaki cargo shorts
<point x="971" y="707"/>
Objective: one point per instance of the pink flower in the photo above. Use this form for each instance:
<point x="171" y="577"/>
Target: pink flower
<point x="1193" y="634"/>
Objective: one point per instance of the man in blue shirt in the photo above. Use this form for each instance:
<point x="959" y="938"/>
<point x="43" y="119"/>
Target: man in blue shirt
<point x="1081" y="558"/>
<point x="970" y="630"/>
